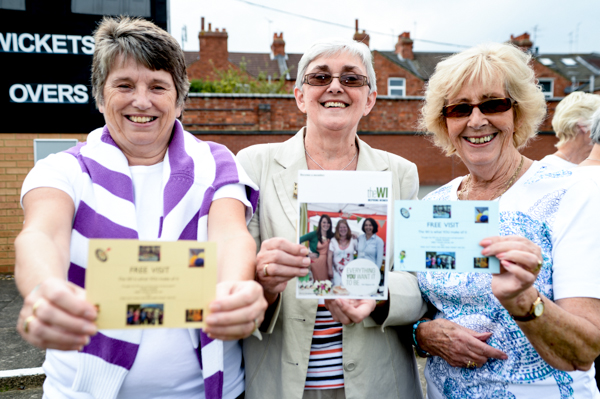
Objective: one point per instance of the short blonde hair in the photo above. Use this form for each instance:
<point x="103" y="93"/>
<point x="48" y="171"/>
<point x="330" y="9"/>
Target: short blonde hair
<point x="577" y="107"/>
<point x="484" y="65"/>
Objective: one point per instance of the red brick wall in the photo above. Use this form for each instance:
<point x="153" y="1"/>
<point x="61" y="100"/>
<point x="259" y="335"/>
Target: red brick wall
<point x="387" y="69"/>
<point x="391" y="126"/>
<point x="16" y="160"/>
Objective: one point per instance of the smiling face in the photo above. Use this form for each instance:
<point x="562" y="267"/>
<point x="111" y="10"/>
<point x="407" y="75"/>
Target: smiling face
<point x="368" y="227"/>
<point x="325" y="225"/>
<point x="335" y="107"/>
<point x="482" y="140"/>
<point x="139" y="110"/>
<point x="342" y="230"/>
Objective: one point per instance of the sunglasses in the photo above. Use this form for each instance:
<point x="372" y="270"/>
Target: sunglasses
<point x="490" y="106"/>
<point x="324" y="79"/>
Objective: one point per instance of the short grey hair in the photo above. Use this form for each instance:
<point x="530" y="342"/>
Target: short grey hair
<point x="595" y="127"/>
<point x="331" y="47"/>
<point x="142" y="41"/>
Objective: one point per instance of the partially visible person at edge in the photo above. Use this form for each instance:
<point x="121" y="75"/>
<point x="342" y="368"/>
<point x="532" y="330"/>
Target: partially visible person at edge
<point x="571" y="122"/>
<point x="532" y="331"/>
<point x="342" y="248"/>
<point x="140" y="177"/>
<point x="370" y="245"/>
<point x="319" y="247"/>
<point x="335" y="348"/>
<point x="594" y="160"/>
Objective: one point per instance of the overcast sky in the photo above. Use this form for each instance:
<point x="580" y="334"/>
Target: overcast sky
<point x="555" y="26"/>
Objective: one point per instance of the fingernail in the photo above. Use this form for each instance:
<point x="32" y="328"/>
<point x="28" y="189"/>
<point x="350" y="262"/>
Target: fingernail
<point x="90" y="329"/>
<point x="88" y="314"/>
<point x="485" y="243"/>
<point x="215" y="307"/>
<point x="304" y="251"/>
<point x="501" y="255"/>
<point x="211" y="319"/>
<point x="306" y="261"/>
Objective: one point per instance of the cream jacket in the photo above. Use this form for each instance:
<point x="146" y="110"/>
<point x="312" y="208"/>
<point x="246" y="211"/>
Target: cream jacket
<point x="378" y="359"/>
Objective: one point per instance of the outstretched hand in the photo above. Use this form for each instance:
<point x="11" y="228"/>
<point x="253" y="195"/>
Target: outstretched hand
<point x="55" y="315"/>
<point x="237" y="311"/>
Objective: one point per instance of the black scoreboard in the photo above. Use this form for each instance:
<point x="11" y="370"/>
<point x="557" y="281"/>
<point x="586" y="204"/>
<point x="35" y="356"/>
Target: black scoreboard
<point x="46" y="50"/>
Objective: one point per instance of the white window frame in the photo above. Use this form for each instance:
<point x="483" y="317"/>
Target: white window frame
<point x="403" y="87"/>
<point x="44" y="147"/>
<point x="548" y="94"/>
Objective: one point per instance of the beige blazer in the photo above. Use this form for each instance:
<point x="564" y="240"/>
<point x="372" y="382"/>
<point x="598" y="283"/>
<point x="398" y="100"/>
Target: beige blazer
<point x="378" y="360"/>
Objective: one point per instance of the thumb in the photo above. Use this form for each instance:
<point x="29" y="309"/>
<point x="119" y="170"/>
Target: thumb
<point x="224" y="289"/>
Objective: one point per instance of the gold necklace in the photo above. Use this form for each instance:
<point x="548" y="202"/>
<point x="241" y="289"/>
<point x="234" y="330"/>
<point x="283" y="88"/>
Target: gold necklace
<point x="592" y="159"/>
<point x="465" y="189"/>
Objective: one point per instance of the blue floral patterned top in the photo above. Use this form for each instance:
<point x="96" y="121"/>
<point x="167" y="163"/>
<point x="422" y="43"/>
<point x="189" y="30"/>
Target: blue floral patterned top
<point x="542" y="206"/>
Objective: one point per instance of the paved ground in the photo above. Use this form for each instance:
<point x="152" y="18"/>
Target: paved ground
<point x="15" y="353"/>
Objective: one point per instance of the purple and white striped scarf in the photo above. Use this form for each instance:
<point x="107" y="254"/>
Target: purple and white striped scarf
<point x="193" y="171"/>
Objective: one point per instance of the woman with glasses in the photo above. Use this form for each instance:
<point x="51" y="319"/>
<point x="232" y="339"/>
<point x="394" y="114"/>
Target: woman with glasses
<point x="333" y="348"/>
<point x="533" y="330"/>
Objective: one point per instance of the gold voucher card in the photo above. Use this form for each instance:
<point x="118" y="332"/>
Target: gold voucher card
<point x="151" y="284"/>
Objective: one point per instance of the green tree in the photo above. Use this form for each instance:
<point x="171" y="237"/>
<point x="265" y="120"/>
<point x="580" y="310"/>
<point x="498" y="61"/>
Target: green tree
<point x="234" y="80"/>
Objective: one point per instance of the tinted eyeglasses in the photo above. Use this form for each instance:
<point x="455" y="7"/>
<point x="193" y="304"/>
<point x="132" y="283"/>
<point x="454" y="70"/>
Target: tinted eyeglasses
<point x="490" y="106"/>
<point x="346" y="79"/>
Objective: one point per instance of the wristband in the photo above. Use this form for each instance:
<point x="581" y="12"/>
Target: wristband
<point x="418" y="349"/>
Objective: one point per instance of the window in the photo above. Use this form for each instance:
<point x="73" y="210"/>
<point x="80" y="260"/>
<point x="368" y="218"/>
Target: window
<point x="44" y="147"/>
<point x="138" y="8"/>
<point x="397" y="87"/>
<point x="569" y="62"/>
<point x="13" y="4"/>
<point x="546" y="61"/>
<point x="547" y="85"/>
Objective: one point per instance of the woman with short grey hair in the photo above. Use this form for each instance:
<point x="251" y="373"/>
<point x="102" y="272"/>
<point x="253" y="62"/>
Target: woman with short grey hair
<point x="140" y="177"/>
<point x="341" y="348"/>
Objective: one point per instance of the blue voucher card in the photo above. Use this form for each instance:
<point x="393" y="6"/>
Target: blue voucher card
<point x="444" y="236"/>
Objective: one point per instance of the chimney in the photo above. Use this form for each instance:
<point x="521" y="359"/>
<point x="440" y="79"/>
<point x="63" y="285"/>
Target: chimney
<point x="523" y="42"/>
<point x="213" y="46"/>
<point x="278" y="46"/>
<point x="360" y="37"/>
<point x="404" y="47"/>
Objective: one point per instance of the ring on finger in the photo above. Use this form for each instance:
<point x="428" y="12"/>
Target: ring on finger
<point x="35" y="306"/>
<point x="255" y="325"/>
<point x="539" y="266"/>
<point x="26" y="323"/>
<point x="265" y="272"/>
<point x="471" y="365"/>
